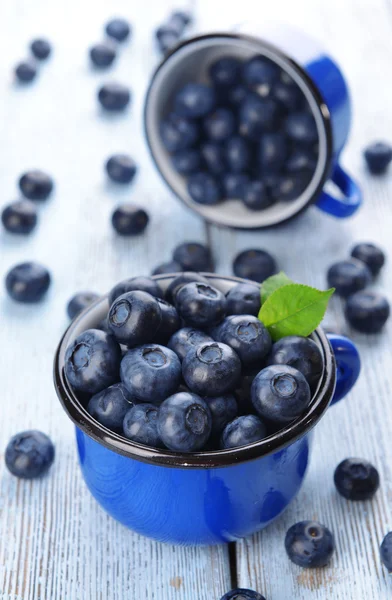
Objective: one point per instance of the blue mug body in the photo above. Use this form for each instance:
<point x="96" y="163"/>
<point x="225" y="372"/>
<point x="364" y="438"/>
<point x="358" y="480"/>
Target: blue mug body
<point x="320" y="79"/>
<point x="209" y="497"/>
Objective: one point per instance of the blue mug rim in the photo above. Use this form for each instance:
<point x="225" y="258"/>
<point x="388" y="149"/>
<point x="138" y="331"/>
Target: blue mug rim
<point x="200" y="460"/>
<point x="323" y="108"/>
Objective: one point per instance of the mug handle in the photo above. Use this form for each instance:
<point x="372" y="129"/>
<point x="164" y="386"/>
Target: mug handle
<point x="348" y="365"/>
<point x="341" y="207"/>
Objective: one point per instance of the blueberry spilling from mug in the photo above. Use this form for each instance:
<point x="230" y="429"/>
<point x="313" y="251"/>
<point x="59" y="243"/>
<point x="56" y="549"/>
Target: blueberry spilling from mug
<point x="196" y="371"/>
<point x="248" y="135"/>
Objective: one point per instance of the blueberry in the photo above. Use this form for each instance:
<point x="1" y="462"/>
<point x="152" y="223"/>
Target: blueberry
<point x="257" y="115"/>
<point x="35" y="185"/>
<point x="223" y="410"/>
<point x="247" y="336"/>
<point x="187" y="338"/>
<point x="92" y="361"/>
<point x="302" y="354"/>
<point x="219" y="125"/>
<point x="179" y="281"/>
<point x="79" y="302"/>
<point x="204" y="189"/>
<point x="103" y="54"/>
<point x="290" y="187"/>
<point x="348" y="277"/>
<point x="134" y="318"/>
<point x="259" y="70"/>
<point x="378" y="156"/>
<point x="225" y="72"/>
<point x="121" y="168"/>
<point x="41" y="49"/>
<point x="167" y="267"/>
<point x="169" y="30"/>
<point x="184" y="422"/>
<point x="178" y="133"/>
<point x="182" y="15"/>
<point x="301" y="128"/>
<point x="200" y="305"/>
<point x="256" y="195"/>
<point x="309" y="544"/>
<point x="151" y="373"/>
<point x="301" y="160"/>
<point x="27" y="282"/>
<point x="386" y="551"/>
<point x="178" y="20"/>
<point x="118" y="29"/>
<point x="244" y="299"/>
<point x="20" y="217"/>
<point x="129" y="219"/>
<point x="141" y="425"/>
<point x="29" y="454"/>
<point x="234" y="185"/>
<point x="371" y="255"/>
<point x="213" y="156"/>
<point x="288" y="95"/>
<point x="367" y="312"/>
<point x="242" y="594"/>
<point x="170" y="322"/>
<point x="114" y="96"/>
<point x="187" y="161"/>
<point x="242" y="431"/>
<point x="193" y="256"/>
<point x="272" y="152"/>
<point x="254" y="264"/>
<point x="356" y="479"/>
<point x="167" y="39"/>
<point x="110" y="406"/>
<point x="143" y="284"/>
<point x="238" y="154"/>
<point x="211" y="369"/>
<point x="236" y="95"/>
<point x="280" y="394"/>
<point x="194" y="100"/>
<point x="25" y="71"/>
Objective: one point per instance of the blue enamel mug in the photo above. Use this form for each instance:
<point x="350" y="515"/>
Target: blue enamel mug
<point x="209" y="497"/>
<point x="320" y="80"/>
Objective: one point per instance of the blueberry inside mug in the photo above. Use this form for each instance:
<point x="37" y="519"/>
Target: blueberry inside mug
<point x="321" y="82"/>
<point x="208" y="497"/>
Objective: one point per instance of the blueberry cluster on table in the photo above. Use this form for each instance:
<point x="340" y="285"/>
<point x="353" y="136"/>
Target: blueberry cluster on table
<point x="26" y="70"/>
<point x="249" y="135"/>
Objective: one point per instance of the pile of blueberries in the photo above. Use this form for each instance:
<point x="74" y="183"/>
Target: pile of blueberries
<point x="26" y="70"/>
<point x="249" y="136"/>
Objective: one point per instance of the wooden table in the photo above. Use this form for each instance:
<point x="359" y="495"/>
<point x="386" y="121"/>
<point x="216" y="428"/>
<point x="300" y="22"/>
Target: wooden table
<point x="55" y="542"/>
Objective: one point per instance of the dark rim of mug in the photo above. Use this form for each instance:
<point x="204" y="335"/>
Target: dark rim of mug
<point x="323" y="109"/>
<point x="201" y="460"/>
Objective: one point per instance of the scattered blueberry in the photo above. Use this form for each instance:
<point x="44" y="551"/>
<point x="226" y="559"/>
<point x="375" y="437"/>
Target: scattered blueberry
<point x="371" y="255"/>
<point x="223" y="410"/>
<point x="25" y="71"/>
<point x="29" y="454"/>
<point x="40" y="48"/>
<point x="170" y="322"/>
<point x="143" y="284"/>
<point x="242" y="594"/>
<point x="167" y="267"/>
<point x="129" y="219"/>
<point x="290" y="187"/>
<point x="225" y="72"/>
<point x="92" y="361"/>
<point x="193" y="256"/>
<point x="151" y="373"/>
<point x="256" y="116"/>
<point x="211" y="369"/>
<point x="35" y="185"/>
<point x="309" y="544"/>
<point x="187" y="161"/>
<point x="288" y="95"/>
<point x="20" y="217"/>
<point x="27" y="282"/>
<point x="247" y="336"/>
<point x="348" y="277"/>
<point x="238" y="154"/>
<point x="280" y="394"/>
<point x="301" y="160"/>
<point x="302" y="354"/>
<point x="134" y="318"/>
<point x="256" y="196"/>
<point x="244" y="299"/>
<point x="184" y="422"/>
<point x="194" y="100"/>
<point x="121" y="168"/>
<point x="386" y="551"/>
<point x="204" y="189"/>
<point x="254" y="264"/>
<point x="200" y="305"/>
<point x="118" y="29"/>
<point x="301" y="128"/>
<point x="179" y="281"/>
<point x="378" y="156"/>
<point x="213" y="156"/>
<point x="114" y="96"/>
<point x="166" y="39"/>
<point x="235" y="185"/>
<point x="178" y="133"/>
<point x="141" y="425"/>
<point x="110" y="406"/>
<point x="178" y="20"/>
<point x="367" y="312"/>
<point x="356" y="479"/>
<point x="242" y="431"/>
<point x="259" y="70"/>
<point x="273" y="152"/>
<point x="183" y="15"/>
<point x="187" y="338"/>
<point x="103" y="54"/>
<point x="219" y="125"/>
<point x="79" y="302"/>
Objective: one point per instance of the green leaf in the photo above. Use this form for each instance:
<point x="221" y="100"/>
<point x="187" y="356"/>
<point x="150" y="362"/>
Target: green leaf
<point x="294" y="309"/>
<point x="273" y="283"/>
